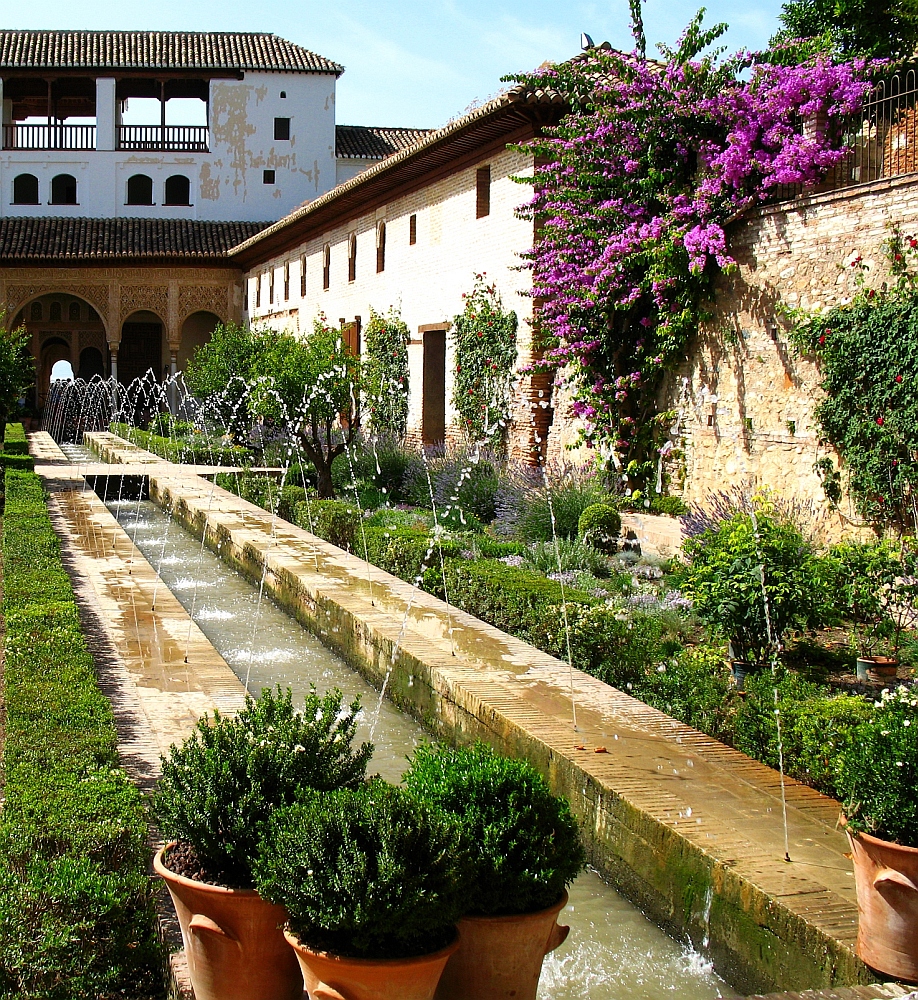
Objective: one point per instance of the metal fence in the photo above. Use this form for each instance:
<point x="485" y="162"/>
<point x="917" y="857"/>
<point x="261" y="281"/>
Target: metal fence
<point x="881" y="140"/>
<point x="49" y="136"/>
<point x="178" y="138"/>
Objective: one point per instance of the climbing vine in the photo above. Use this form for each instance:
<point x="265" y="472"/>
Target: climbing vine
<point x="385" y="373"/>
<point x="484" y="337"/>
<point x="633" y="191"/>
<point x="867" y="352"/>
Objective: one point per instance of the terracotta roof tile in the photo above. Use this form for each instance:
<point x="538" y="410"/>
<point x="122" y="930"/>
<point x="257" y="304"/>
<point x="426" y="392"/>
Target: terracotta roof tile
<point x="119" y="50"/>
<point x="31" y="239"/>
<point x="371" y="143"/>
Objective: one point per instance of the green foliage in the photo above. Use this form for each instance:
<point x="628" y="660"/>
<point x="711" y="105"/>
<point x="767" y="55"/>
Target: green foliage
<point x="220" y="786"/>
<point x="17" y="369"/>
<point x="600" y="525"/>
<point x="527" y="505"/>
<point x="484" y="338"/>
<point x="385" y="373"/>
<point x="76" y="909"/>
<point x="369" y="873"/>
<point x="14" y="440"/>
<point x="527" y="846"/>
<point x="888" y="30"/>
<point x="196" y="449"/>
<point x="464" y="481"/>
<point x="694" y="687"/>
<point x="729" y="567"/>
<point x="867" y="351"/>
<point x="880" y="769"/>
<point x="566" y="556"/>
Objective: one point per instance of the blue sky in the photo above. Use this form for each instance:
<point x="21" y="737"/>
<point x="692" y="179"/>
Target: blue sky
<point x="417" y="62"/>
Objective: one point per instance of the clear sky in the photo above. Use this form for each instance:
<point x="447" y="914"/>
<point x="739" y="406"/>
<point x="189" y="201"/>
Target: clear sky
<point x="416" y="62"/>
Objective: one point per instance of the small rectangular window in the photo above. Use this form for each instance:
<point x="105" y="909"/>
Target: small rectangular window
<point x="281" y="128"/>
<point x="303" y="278"/>
<point x="258" y="292"/>
<point x="412" y="229"/>
<point x="326" y="268"/>
<point x="352" y="258"/>
<point x="271" y="287"/>
<point x="269" y="177"/>
<point x="483" y="192"/>
<point x="287" y="281"/>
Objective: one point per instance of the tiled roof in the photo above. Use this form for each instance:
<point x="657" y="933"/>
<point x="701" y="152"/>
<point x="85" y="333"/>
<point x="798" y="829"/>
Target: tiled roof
<point x="31" y="239"/>
<point x="119" y="50"/>
<point x="370" y="143"/>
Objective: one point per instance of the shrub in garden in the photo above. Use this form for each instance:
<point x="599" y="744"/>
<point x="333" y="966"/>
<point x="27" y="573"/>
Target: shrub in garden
<point x="599" y="525"/>
<point x="694" y="687"/>
<point x="334" y="520"/>
<point x="385" y="372"/>
<point x="734" y="566"/>
<point x="463" y="479"/>
<point x="368" y="872"/>
<point x="219" y="787"/>
<point x="14" y="440"/>
<point x="572" y="555"/>
<point x="526" y="843"/>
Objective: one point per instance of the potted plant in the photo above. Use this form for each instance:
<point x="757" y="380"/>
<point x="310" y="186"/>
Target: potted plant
<point x="752" y="579"/>
<point x="213" y="802"/>
<point x="372" y="881"/>
<point x="877" y="588"/>
<point x="880" y="768"/>
<point x="528" y="851"/>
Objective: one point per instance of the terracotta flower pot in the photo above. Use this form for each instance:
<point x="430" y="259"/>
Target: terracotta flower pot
<point x="501" y="957"/>
<point x="886" y="876"/>
<point x="233" y="941"/>
<point x="879" y="669"/>
<point x="334" y="977"/>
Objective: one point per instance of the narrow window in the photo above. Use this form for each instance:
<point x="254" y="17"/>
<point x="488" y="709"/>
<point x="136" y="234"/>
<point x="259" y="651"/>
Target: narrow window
<point x="286" y="281"/>
<point x="412" y="229"/>
<point x="35" y="313"/>
<point x="74" y="311"/>
<point x="483" y="192"/>
<point x="283" y="95"/>
<point x="258" y="292"/>
<point x="63" y="190"/>
<point x="271" y="287"/>
<point x="178" y="190"/>
<point x="303" y="277"/>
<point x="139" y="190"/>
<point x="25" y="190"/>
<point x="380" y="247"/>
<point x="326" y="267"/>
<point x="245" y="295"/>
<point x="281" y="128"/>
<point x="269" y="176"/>
<point x="352" y="258"/>
<point x="55" y="316"/>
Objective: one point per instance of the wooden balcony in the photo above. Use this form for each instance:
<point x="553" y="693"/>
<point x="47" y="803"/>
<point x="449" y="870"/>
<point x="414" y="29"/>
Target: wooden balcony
<point x="49" y="136"/>
<point x="174" y="138"/>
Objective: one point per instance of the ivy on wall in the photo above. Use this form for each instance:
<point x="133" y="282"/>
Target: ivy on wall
<point x="385" y="373"/>
<point x="484" y="337"/>
<point x="867" y="352"/>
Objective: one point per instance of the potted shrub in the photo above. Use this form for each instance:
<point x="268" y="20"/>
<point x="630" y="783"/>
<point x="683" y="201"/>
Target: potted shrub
<point x="372" y="881"/>
<point x="880" y="769"/>
<point x="528" y="851"/>
<point x="752" y="579"/>
<point x="876" y="586"/>
<point x="213" y="802"/>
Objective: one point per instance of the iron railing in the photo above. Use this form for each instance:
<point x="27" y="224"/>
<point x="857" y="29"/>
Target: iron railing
<point x="49" y="136"/>
<point x="881" y="139"/>
<point x="178" y="138"/>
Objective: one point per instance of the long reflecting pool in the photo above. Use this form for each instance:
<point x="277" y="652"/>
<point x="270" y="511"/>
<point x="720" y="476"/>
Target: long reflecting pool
<point x="613" y="952"/>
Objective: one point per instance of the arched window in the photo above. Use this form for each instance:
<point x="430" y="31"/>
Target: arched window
<point x="25" y="189"/>
<point x="140" y="190"/>
<point x="178" y="190"/>
<point x="63" y="190"/>
<point x="35" y="312"/>
<point x="380" y="247"/>
<point x="352" y="258"/>
<point x="55" y="315"/>
<point x="74" y="311"/>
<point x="326" y="267"/>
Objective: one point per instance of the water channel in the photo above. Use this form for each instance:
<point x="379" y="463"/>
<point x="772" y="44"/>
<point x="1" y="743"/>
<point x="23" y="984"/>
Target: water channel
<point x="613" y="952"/>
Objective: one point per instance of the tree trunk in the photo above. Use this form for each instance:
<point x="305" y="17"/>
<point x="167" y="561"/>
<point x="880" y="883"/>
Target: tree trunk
<point x="324" y="484"/>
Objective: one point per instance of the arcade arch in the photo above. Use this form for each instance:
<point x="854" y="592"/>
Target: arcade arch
<point x="196" y="331"/>
<point x="141" y="347"/>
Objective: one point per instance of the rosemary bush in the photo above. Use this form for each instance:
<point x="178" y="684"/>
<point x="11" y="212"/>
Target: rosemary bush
<point x="220" y="786"/>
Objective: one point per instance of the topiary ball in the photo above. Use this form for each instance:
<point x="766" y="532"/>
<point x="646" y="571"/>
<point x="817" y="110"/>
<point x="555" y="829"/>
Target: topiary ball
<point x="600" y="525"/>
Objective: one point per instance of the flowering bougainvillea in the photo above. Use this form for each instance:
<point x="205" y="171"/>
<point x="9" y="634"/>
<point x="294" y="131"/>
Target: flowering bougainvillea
<point x="484" y="336"/>
<point x="634" y="189"/>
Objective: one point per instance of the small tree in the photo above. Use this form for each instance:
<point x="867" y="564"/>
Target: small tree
<point x="312" y="386"/>
<point x="220" y="371"/>
<point x="17" y="369"/>
<point x="385" y="373"/>
<point x="851" y="27"/>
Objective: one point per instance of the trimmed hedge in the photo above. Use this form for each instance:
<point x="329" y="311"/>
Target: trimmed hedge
<point x="76" y="908"/>
<point x="14" y="440"/>
<point x="184" y="451"/>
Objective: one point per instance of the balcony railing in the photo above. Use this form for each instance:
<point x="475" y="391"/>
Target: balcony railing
<point x="49" y="136"/>
<point x="881" y="139"/>
<point x="177" y="138"/>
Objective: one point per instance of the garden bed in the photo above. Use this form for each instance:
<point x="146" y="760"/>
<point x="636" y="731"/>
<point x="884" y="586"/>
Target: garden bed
<point x="76" y="910"/>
